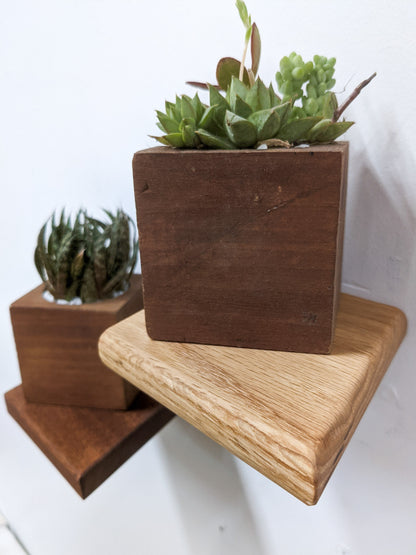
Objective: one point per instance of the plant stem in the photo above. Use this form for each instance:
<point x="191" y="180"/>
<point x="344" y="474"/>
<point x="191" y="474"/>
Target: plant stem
<point x="243" y="60"/>
<point x="352" y="96"/>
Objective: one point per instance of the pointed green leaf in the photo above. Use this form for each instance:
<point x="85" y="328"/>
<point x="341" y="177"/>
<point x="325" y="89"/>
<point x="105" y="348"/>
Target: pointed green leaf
<point x="283" y="111"/>
<point x="168" y="125"/>
<point x="214" y="141"/>
<point x="274" y="98"/>
<point x="187" y="110"/>
<point x="62" y="220"/>
<point x="236" y="88"/>
<point x="267" y="123"/>
<point x="161" y="140"/>
<point x="333" y="131"/>
<point x="172" y="139"/>
<point x="213" y="120"/>
<point x="99" y="264"/>
<point x="208" y="117"/>
<point x="215" y="97"/>
<point x="39" y="264"/>
<point x="169" y="105"/>
<point x="114" y="284"/>
<point x="41" y="238"/>
<point x="178" y="108"/>
<point x="198" y="107"/>
<point x="297" y="129"/>
<point x="241" y="108"/>
<point x="188" y="136"/>
<point x="45" y="261"/>
<point x="88" y="291"/>
<point x="171" y="113"/>
<point x="258" y="96"/>
<point x="240" y="131"/>
<point x="318" y="128"/>
<point x="63" y="263"/>
<point x="190" y="122"/>
<point x="170" y="109"/>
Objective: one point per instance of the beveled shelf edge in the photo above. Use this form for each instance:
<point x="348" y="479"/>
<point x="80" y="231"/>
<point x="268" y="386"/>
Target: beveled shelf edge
<point x="386" y="347"/>
<point x="389" y="324"/>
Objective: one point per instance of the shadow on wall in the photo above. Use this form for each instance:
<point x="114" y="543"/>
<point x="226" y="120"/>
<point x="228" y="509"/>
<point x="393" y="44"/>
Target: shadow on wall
<point x="380" y="264"/>
<point x="379" y="248"/>
<point x="209" y="493"/>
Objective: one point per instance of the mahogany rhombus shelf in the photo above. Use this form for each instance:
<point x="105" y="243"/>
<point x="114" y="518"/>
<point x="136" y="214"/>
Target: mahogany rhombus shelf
<point x="87" y="445"/>
<point x="288" y="415"/>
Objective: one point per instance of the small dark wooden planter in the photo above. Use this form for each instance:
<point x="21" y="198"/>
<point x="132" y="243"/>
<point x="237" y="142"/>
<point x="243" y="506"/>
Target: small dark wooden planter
<point x="57" y="349"/>
<point x="242" y="248"/>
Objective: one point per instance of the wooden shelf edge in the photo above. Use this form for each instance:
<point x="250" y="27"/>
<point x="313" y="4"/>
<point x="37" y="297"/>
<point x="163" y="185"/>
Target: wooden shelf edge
<point x="100" y="440"/>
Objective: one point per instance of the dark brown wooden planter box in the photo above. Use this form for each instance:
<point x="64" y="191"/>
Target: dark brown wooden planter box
<point x="242" y="248"/>
<point x="57" y="349"/>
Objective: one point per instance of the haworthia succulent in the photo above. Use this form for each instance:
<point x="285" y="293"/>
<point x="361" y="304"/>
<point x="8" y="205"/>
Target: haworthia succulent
<point x="90" y="259"/>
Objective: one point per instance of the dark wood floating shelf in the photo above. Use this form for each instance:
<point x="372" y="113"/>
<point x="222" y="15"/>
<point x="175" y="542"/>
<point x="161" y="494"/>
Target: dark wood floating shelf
<point x="87" y="445"/>
<point x="288" y="415"/>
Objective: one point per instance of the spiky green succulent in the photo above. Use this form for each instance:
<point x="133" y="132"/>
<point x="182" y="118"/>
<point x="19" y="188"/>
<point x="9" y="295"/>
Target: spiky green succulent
<point x="251" y="114"/>
<point x="90" y="258"/>
<point x="248" y="116"/>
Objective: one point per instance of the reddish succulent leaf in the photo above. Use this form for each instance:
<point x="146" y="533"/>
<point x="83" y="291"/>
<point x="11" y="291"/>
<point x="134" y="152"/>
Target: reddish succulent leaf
<point x="255" y="49"/>
<point x="200" y="85"/>
<point x="226" y="68"/>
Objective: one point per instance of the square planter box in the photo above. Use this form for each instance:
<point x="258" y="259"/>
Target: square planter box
<point x="57" y="349"/>
<point x="242" y="248"/>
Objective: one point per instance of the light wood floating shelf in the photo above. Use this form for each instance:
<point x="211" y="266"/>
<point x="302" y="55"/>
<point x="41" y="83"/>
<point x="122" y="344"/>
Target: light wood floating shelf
<point x="288" y="415"/>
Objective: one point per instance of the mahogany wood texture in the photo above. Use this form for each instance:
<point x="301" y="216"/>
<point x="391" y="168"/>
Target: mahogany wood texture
<point x="57" y="349"/>
<point x="288" y="415"/>
<point x="242" y="248"/>
<point x="87" y="445"/>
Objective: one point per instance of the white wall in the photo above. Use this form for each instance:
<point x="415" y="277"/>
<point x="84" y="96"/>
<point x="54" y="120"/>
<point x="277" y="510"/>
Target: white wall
<point x="80" y="81"/>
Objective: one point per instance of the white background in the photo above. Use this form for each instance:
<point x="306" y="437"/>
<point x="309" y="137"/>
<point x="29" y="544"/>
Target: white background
<point x="80" y="81"/>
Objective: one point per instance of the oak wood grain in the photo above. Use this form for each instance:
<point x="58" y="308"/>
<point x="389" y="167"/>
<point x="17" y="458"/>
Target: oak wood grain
<point x="288" y="415"/>
<point x="57" y="349"/>
<point x="87" y="445"/>
<point x="242" y="248"/>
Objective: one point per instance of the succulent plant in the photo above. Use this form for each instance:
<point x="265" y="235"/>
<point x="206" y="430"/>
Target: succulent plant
<point x="251" y="114"/>
<point x="89" y="258"/>
<point x="180" y="122"/>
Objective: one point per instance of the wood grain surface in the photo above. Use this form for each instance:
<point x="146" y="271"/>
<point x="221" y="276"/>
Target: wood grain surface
<point x="57" y="349"/>
<point x="288" y="415"/>
<point x="87" y="445"/>
<point x="242" y="248"/>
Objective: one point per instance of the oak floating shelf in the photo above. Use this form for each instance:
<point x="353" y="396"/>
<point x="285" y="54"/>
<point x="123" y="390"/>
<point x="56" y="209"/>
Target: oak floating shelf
<point x="288" y="415"/>
<point x="87" y="445"/>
